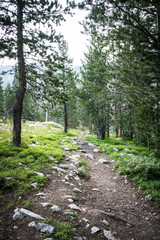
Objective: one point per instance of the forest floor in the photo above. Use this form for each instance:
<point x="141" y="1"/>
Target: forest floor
<point x="105" y="195"/>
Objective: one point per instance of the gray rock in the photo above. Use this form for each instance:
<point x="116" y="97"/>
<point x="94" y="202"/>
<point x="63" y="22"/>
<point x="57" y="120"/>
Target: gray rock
<point x="105" y="222"/>
<point x="40" y="174"/>
<point x="101" y="160"/>
<point x="109" y="235"/>
<point x="77" y="178"/>
<point x="18" y="216"/>
<point x="74" y="207"/>
<point x="58" y="169"/>
<point x="55" y="208"/>
<point x="94" y="230"/>
<point x="90" y="144"/>
<point x="28" y="213"/>
<point x="115" y="149"/>
<point x="77" y="190"/>
<point x="50" y="157"/>
<point x="32" y="224"/>
<point x="148" y="197"/>
<point x="95" y="150"/>
<point x="69" y="213"/>
<point x="40" y="194"/>
<point x="45" y="204"/>
<point x="88" y="155"/>
<point x="47" y="239"/>
<point x="45" y="228"/>
<point x="95" y="189"/>
<point x="70" y="166"/>
<point x="34" y="184"/>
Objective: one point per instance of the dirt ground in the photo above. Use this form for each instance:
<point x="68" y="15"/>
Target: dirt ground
<point x="104" y="196"/>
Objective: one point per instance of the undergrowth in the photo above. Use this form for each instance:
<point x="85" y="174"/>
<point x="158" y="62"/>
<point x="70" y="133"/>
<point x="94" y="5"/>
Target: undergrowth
<point x="135" y="162"/>
<point x="28" y="165"/>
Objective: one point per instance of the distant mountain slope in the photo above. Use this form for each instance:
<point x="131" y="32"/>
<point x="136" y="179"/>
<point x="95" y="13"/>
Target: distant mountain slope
<point x="7" y="77"/>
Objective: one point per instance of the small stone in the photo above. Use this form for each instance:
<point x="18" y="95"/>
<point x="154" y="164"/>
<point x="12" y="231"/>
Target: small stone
<point x="68" y="213"/>
<point x="115" y="149"/>
<point x="148" y="197"/>
<point x="58" y="169"/>
<point x="126" y="149"/>
<point x="77" y="178"/>
<point x="55" y="208"/>
<point x="95" y="150"/>
<point x="45" y="204"/>
<point x="34" y="184"/>
<point x="74" y="207"/>
<point x="94" y="230"/>
<point x="101" y="160"/>
<point x="70" y="200"/>
<point x="8" y="178"/>
<point x="50" y="157"/>
<point x="105" y="222"/>
<point x="40" y="174"/>
<point x="68" y="196"/>
<point x="95" y="189"/>
<point x="47" y="239"/>
<point x="40" y="194"/>
<point x="87" y="225"/>
<point x="90" y="144"/>
<point x="77" y="190"/>
<point x="28" y="213"/>
<point x="15" y="227"/>
<point x="70" y="166"/>
<point x="17" y="216"/>
<point x="45" y="228"/>
<point x="109" y="235"/>
<point x="32" y="224"/>
<point x="89" y="155"/>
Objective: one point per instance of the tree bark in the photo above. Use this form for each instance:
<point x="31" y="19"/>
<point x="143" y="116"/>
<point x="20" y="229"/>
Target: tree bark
<point x="65" y="118"/>
<point x="116" y="120"/>
<point x="18" y="102"/>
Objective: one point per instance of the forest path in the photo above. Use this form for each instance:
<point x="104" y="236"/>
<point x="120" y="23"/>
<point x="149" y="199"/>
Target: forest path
<point x="105" y="190"/>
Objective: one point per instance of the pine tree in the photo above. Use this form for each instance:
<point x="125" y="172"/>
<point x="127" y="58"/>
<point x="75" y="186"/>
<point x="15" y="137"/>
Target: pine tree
<point x="21" y="24"/>
<point x="1" y="99"/>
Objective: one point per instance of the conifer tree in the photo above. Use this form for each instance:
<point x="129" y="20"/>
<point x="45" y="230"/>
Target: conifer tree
<point x="27" y="32"/>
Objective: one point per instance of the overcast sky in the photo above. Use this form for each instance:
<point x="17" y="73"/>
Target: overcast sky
<point x="77" y="42"/>
<point x="71" y="29"/>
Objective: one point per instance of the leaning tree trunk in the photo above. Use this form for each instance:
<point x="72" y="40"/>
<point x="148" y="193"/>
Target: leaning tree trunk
<point x="65" y="118"/>
<point x="18" y="102"/>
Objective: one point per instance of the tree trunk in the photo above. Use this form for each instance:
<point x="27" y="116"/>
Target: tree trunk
<point x="65" y="118"/>
<point x="18" y="102"/>
<point x="47" y="116"/>
<point x="116" y="120"/>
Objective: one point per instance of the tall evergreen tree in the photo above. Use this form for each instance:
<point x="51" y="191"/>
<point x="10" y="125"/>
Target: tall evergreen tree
<point x="95" y="86"/>
<point x="1" y="99"/>
<point x="21" y="24"/>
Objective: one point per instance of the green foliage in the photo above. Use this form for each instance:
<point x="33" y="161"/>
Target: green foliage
<point x="135" y="162"/>
<point x="83" y="171"/>
<point x="63" y="229"/>
<point x="41" y="146"/>
<point x="1" y="98"/>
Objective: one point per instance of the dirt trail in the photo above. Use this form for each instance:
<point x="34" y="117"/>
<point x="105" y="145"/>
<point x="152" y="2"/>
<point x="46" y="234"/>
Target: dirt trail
<point x="106" y="191"/>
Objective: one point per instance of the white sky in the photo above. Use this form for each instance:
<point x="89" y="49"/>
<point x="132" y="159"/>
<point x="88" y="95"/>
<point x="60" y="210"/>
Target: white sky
<point x="77" y="42"/>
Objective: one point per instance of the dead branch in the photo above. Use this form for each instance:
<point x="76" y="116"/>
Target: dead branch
<point x="112" y="215"/>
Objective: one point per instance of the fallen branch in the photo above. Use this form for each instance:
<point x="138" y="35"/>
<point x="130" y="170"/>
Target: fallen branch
<point x="112" y="215"/>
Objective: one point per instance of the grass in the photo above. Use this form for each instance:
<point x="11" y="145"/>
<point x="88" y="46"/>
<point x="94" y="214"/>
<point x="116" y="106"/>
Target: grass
<point x="83" y="171"/>
<point x="135" y="162"/>
<point x="63" y="230"/>
<point x="42" y="146"/>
